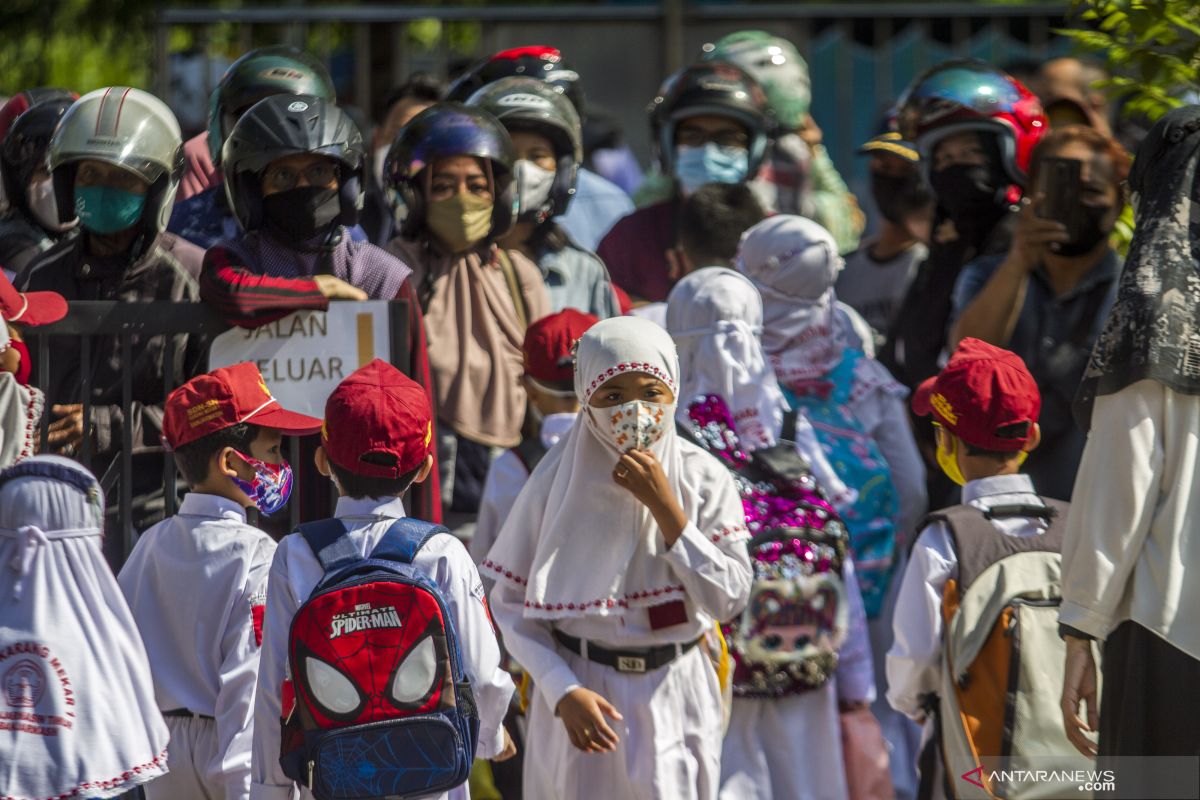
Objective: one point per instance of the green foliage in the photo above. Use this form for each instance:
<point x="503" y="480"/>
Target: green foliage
<point x="1152" y="48"/>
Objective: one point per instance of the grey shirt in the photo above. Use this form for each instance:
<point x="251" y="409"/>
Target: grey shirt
<point x="875" y="289"/>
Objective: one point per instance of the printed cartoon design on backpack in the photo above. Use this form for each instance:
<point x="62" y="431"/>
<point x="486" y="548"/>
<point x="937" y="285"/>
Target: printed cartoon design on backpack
<point x="1002" y="672"/>
<point x="377" y="703"/>
<point x="857" y="460"/>
<point x="787" y="639"/>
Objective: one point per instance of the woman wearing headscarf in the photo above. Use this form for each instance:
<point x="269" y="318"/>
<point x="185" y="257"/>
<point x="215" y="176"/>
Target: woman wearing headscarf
<point x="858" y="412"/>
<point x="782" y="741"/>
<point x="623" y="550"/>
<point x="1131" y="550"/>
<point x="80" y="719"/>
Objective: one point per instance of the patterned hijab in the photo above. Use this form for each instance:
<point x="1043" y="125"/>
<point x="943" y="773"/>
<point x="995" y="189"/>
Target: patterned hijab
<point x="1153" y="330"/>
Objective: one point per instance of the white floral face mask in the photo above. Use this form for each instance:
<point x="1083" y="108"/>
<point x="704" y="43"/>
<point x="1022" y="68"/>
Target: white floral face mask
<point x="637" y="424"/>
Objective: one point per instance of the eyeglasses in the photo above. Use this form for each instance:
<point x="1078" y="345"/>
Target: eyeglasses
<point x="281" y="178"/>
<point x="692" y="137"/>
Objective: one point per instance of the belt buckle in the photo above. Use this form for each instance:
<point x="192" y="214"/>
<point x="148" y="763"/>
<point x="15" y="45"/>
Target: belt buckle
<point x="631" y="664"/>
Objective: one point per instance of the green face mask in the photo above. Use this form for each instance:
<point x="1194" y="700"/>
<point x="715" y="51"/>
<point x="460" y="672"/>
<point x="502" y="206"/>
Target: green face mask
<point x="103" y="209"/>
<point x="461" y="221"/>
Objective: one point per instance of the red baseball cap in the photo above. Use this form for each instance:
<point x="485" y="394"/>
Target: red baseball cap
<point x="30" y="308"/>
<point x="225" y="397"/>
<point x="984" y="396"/>
<point x="549" y="343"/>
<point x="378" y="423"/>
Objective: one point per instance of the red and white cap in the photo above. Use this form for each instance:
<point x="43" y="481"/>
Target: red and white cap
<point x="226" y="397"/>
<point x="30" y="308"/>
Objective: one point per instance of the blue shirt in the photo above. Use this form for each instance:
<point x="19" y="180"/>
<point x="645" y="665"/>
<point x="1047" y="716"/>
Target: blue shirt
<point x="1054" y="334"/>
<point x="596" y="207"/>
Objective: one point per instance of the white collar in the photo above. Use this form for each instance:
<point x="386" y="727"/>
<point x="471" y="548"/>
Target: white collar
<point x="997" y="484"/>
<point x="555" y="426"/>
<point x="199" y="504"/>
<point x="392" y="507"/>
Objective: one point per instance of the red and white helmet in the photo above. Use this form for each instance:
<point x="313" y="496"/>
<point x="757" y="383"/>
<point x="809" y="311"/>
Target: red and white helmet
<point x="971" y="95"/>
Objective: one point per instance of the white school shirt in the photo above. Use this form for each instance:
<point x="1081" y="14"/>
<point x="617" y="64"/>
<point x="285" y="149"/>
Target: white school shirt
<point x="914" y="664"/>
<point x="295" y="572"/>
<point x="505" y="480"/>
<point x="193" y="583"/>
<point x="716" y="577"/>
<point x="1131" y="535"/>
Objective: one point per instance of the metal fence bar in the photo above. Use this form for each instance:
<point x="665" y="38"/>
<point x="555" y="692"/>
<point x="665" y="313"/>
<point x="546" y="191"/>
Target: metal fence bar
<point x="85" y="394"/>
<point x="126" y="458"/>
<point x="170" y="486"/>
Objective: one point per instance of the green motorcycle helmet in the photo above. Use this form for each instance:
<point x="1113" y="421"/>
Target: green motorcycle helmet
<point x="257" y="75"/>
<point x="777" y="66"/>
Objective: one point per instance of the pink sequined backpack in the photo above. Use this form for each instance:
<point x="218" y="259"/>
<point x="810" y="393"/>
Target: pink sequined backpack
<point x="787" y="639"/>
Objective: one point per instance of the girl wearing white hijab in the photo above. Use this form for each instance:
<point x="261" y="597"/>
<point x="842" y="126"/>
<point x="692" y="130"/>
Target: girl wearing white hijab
<point x="80" y="717"/>
<point x="781" y="747"/>
<point x="623" y="550"/>
<point x="858" y="410"/>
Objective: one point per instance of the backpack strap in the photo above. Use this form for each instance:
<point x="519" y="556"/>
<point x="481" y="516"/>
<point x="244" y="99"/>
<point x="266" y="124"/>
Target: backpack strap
<point x="329" y="543"/>
<point x="405" y="538"/>
<point x="788" y="431"/>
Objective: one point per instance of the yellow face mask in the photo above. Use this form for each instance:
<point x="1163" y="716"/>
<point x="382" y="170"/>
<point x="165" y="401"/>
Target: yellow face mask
<point x="460" y="221"/>
<point x="947" y="455"/>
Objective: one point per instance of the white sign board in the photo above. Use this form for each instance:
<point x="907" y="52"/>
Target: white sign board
<point x="305" y="355"/>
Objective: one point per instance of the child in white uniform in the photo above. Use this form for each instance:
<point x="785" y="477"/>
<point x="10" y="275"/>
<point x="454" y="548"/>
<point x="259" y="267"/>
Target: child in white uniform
<point x="376" y="442"/>
<point x="624" y="549"/>
<point x="197" y="582"/>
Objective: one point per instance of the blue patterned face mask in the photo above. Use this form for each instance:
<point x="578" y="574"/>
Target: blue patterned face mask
<point x="103" y="209"/>
<point x="712" y="163"/>
<point x="271" y="487"/>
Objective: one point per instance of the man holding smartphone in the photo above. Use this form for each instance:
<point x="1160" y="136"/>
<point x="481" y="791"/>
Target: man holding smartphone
<point x="1046" y="298"/>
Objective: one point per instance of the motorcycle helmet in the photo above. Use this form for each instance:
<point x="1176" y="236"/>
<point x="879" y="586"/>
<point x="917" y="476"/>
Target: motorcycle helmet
<point x="535" y="61"/>
<point x="777" y="66"/>
<point x="127" y="128"/>
<point x="284" y="125"/>
<point x="259" y="74"/>
<point x="442" y="131"/>
<point x="717" y="88"/>
<point x="531" y="104"/>
<point x="971" y="95"/>
<point x="25" y="144"/>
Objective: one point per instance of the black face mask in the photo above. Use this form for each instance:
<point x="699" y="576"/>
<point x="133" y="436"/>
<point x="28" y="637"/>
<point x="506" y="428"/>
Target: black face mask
<point x="897" y="198"/>
<point x="302" y="213"/>
<point x="1094" y="227"/>
<point x="968" y="193"/>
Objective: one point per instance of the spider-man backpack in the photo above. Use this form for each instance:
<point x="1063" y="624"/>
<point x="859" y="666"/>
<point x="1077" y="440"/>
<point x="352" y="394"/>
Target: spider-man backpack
<point x="377" y="704"/>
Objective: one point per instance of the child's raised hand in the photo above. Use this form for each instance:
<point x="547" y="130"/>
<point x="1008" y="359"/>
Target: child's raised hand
<point x="641" y="474"/>
<point x="583" y="713"/>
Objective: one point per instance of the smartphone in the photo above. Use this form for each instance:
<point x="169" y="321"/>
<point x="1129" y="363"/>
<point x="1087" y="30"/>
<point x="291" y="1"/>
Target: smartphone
<point x="1061" y="188"/>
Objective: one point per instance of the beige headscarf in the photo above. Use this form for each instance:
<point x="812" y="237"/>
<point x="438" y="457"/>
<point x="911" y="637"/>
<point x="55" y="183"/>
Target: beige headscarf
<point x="474" y="336"/>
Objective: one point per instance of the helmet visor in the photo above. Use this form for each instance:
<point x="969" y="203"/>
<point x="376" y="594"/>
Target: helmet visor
<point x="952" y="91"/>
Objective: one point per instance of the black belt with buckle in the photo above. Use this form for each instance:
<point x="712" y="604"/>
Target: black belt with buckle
<point x="646" y="660"/>
<point x="183" y="712"/>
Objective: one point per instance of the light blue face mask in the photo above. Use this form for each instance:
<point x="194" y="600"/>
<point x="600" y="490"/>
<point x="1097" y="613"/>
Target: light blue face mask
<point x="712" y="163"/>
<point x="103" y="209"/>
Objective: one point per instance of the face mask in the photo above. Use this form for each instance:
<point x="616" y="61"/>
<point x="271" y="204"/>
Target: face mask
<point x="533" y="187"/>
<point x="635" y="425"/>
<point x="1095" y="229"/>
<point x="947" y="458"/>
<point x="696" y="166"/>
<point x="377" y="159"/>
<point x="460" y="221"/>
<point x="302" y="213"/>
<point x="103" y="209"/>
<point x="24" y="365"/>
<point x="899" y="197"/>
<point x="271" y="487"/>
<point x="967" y="192"/>
<point x="43" y="204"/>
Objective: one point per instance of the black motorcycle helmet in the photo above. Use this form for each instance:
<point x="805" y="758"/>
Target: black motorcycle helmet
<point x="535" y="61"/>
<point x="533" y="105"/>
<point x="711" y="87"/>
<point x="284" y="125"/>
<point x="259" y="74"/>
<point x="442" y="131"/>
<point x="24" y="148"/>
